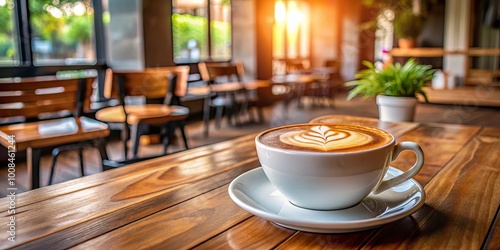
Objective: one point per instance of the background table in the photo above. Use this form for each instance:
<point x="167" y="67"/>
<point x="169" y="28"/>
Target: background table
<point x="297" y="84"/>
<point x="181" y="200"/>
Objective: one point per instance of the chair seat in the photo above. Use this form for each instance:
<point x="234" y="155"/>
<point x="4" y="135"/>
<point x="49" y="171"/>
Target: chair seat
<point x="221" y="101"/>
<point x="253" y="85"/>
<point x="227" y="87"/>
<point x="147" y="113"/>
<point x="200" y="90"/>
<point x="53" y="132"/>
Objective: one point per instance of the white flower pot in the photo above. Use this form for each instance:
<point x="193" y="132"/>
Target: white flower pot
<point x="396" y="109"/>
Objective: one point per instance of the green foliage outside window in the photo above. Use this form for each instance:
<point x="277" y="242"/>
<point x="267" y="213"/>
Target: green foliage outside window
<point x="80" y="30"/>
<point x="65" y="32"/>
<point x="186" y="27"/>
<point x="221" y="37"/>
<point x="7" y="36"/>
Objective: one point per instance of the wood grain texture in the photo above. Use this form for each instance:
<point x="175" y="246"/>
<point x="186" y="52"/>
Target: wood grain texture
<point x="180" y="227"/>
<point x="151" y="82"/>
<point x="304" y="240"/>
<point x="462" y="200"/>
<point x="439" y="143"/>
<point x="481" y="95"/>
<point x="265" y="235"/>
<point x="493" y="239"/>
<point x="29" y="97"/>
<point x="194" y="159"/>
<point x="180" y="201"/>
<point x="53" y="132"/>
<point x="115" y="202"/>
<point x="137" y="114"/>
<point x="433" y="150"/>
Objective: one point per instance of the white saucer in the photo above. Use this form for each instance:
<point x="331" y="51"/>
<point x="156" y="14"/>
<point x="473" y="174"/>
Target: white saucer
<point x="253" y="192"/>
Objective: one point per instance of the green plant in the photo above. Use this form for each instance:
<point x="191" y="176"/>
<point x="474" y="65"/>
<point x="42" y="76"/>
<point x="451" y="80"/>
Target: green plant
<point x="408" y="25"/>
<point x="394" y="80"/>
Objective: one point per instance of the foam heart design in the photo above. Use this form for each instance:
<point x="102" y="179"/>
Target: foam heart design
<point x="324" y="138"/>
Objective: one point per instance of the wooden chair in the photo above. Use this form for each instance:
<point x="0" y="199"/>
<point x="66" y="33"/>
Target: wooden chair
<point x="167" y="84"/>
<point x="296" y="65"/>
<point x="331" y="81"/>
<point x="32" y="100"/>
<point x="228" y="92"/>
<point x="262" y="94"/>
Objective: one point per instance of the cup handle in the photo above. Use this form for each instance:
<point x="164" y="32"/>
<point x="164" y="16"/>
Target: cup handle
<point x="400" y="147"/>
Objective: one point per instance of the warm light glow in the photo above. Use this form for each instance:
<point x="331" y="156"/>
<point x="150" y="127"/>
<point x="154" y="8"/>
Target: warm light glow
<point x="290" y="30"/>
<point x="189" y="3"/>
<point x="279" y="29"/>
<point x="279" y="40"/>
<point x="304" y="32"/>
<point x="294" y="16"/>
<point x="54" y="11"/>
<point x="3" y="3"/>
<point x="69" y="9"/>
<point x="79" y="8"/>
<point x="279" y="12"/>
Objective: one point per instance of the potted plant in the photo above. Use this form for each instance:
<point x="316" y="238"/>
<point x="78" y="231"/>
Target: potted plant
<point x="395" y="87"/>
<point x="407" y="28"/>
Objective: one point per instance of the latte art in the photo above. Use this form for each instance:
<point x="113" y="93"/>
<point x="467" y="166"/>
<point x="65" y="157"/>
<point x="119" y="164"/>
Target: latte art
<point x="326" y="137"/>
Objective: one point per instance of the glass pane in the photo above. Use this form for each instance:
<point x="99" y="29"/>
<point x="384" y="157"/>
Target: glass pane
<point x="190" y="30"/>
<point x="63" y="32"/>
<point x="304" y="29"/>
<point x="9" y="52"/>
<point x="279" y="31"/>
<point x="123" y="34"/>
<point x="220" y="29"/>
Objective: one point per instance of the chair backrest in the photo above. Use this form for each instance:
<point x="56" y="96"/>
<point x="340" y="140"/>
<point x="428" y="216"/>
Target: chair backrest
<point x="296" y="65"/>
<point x="213" y="72"/>
<point x="152" y="83"/>
<point x="333" y="65"/>
<point x="30" y="97"/>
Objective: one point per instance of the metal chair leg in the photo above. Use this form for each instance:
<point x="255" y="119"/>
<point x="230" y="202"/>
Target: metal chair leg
<point x="55" y="154"/>
<point x="218" y="117"/>
<point x="125" y="137"/>
<point x="33" y="155"/>
<point x="206" y="114"/>
<point x="80" y="155"/>
<point x="183" y="133"/>
<point x="101" y="146"/>
<point x="136" y="132"/>
<point x="57" y="151"/>
<point x="261" y="115"/>
<point x="169" y="131"/>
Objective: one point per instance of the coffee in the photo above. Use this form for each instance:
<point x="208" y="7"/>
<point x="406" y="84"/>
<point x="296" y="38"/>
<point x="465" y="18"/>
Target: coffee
<point x="327" y="166"/>
<point x="325" y="138"/>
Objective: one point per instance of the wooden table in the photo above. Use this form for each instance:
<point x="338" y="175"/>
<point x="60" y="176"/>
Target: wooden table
<point x="481" y="95"/>
<point x="181" y="201"/>
<point x="33" y="96"/>
<point x="296" y="83"/>
<point x="226" y="89"/>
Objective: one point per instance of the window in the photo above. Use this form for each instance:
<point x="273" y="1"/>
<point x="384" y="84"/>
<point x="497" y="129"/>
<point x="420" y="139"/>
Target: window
<point x="62" y="32"/>
<point x="9" y="51"/>
<point x="220" y="30"/>
<point x="194" y="37"/>
<point x="291" y="44"/>
<point x="52" y="37"/>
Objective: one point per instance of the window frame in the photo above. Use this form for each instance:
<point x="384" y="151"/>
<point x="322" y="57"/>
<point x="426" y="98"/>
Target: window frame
<point x="27" y="68"/>
<point x="209" y="38"/>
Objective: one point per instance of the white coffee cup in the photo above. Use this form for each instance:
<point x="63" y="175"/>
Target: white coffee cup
<point x="336" y="175"/>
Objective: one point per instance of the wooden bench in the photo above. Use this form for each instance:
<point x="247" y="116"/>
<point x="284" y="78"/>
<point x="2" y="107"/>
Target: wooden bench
<point x="33" y="98"/>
